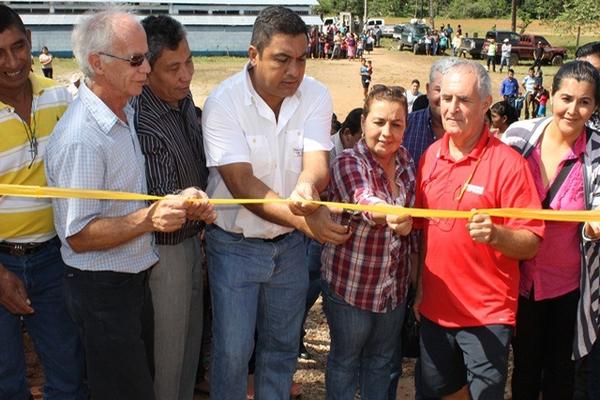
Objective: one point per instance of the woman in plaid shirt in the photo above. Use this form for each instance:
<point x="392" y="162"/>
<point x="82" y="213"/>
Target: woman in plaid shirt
<point x="365" y="279"/>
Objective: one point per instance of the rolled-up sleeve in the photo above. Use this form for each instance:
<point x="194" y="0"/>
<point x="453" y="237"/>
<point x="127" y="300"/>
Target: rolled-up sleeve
<point x="350" y="179"/>
<point x="78" y="166"/>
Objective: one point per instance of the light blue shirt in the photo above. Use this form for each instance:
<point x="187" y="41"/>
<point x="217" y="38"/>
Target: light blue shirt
<point x="91" y="148"/>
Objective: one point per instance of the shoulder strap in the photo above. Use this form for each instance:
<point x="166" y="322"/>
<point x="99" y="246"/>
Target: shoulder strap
<point x="555" y="187"/>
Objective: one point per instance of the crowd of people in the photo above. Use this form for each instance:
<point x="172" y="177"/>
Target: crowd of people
<point x="111" y="292"/>
<point x="338" y="42"/>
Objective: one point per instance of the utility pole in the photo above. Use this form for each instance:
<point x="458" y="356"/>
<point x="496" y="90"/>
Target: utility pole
<point x="431" y="14"/>
<point x="365" y="13"/>
<point x="513" y="16"/>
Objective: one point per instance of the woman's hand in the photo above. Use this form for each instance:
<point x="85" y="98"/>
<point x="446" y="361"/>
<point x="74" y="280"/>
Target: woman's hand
<point x="400" y="224"/>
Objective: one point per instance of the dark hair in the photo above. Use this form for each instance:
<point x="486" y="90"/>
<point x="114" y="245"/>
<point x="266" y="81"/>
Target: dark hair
<point x="352" y="122"/>
<point x="9" y="18"/>
<point x="511" y="70"/>
<point x="416" y="81"/>
<point x="531" y="69"/>
<point x="588" y="49"/>
<point x="275" y="20"/>
<point x="389" y="93"/>
<point x="504" y="109"/>
<point x="580" y="71"/>
<point x="162" y="32"/>
<point x="420" y="103"/>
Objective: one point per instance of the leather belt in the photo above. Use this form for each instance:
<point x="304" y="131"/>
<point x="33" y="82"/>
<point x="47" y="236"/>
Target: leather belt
<point x="23" y="249"/>
<point x="277" y="238"/>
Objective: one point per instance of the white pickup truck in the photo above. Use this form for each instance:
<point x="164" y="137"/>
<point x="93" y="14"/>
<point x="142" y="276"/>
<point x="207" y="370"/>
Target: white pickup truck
<point x="386" y="30"/>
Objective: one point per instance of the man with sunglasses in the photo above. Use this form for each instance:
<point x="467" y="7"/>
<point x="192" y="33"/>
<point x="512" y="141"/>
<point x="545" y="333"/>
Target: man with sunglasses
<point x="468" y="288"/>
<point x="266" y="135"/>
<point x="31" y="267"/>
<point x="108" y="245"/>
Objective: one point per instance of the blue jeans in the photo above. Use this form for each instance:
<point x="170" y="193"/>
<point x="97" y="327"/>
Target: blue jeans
<point x="313" y="263"/>
<point x="53" y="332"/>
<point x="255" y="284"/>
<point x="362" y="345"/>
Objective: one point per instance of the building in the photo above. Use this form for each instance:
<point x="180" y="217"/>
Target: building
<point x="215" y="27"/>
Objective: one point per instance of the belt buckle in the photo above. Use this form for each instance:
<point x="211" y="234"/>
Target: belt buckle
<point x="17" y="250"/>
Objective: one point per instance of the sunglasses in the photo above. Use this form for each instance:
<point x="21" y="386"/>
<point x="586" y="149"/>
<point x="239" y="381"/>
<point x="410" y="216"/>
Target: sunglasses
<point x="393" y="90"/>
<point x="134" y="61"/>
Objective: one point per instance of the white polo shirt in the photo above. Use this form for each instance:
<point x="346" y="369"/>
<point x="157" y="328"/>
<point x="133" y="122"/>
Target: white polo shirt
<point x="239" y="127"/>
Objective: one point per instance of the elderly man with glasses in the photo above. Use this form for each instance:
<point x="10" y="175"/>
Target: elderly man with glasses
<point x="108" y="245"/>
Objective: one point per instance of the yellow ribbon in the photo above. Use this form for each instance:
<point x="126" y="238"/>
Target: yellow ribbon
<point x="521" y="213"/>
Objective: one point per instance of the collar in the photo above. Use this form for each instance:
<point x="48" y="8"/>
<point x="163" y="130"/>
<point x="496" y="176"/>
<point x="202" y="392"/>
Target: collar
<point x="400" y="159"/>
<point x="99" y="111"/>
<point x="158" y="105"/>
<point x="477" y="151"/>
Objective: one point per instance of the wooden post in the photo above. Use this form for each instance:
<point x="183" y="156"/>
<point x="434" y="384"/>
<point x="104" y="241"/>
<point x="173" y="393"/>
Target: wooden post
<point x="513" y="16"/>
<point x="578" y="35"/>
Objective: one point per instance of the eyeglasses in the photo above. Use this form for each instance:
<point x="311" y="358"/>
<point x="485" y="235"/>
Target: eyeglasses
<point x="134" y="61"/>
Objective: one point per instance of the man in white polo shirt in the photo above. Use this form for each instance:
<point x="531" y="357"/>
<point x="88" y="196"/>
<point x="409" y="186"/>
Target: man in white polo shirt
<point x="266" y="135"/>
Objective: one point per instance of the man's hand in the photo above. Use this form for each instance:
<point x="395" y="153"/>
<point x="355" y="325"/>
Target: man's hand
<point x="168" y="215"/>
<point x="481" y="228"/>
<point x="13" y="295"/>
<point x="323" y="229"/>
<point x="304" y="191"/>
<point x="592" y="230"/>
<point x="198" y="207"/>
<point x="400" y="224"/>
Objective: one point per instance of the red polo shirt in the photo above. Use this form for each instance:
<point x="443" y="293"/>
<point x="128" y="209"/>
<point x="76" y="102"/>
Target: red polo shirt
<point x="466" y="283"/>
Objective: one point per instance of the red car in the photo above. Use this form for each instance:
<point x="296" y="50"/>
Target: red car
<point x="523" y="47"/>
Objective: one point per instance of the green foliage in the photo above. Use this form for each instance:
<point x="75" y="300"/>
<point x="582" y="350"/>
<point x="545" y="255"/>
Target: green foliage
<point x="478" y="9"/>
<point x="579" y="13"/>
<point x="391" y="8"/>
<point x="539" y="9"/>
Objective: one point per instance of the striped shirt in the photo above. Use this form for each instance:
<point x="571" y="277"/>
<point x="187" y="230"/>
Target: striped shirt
<point x="91" y="148"/>
<point x="370" y="271"/>
<point x="171" y="140"/>
<point x="28" y="219"/>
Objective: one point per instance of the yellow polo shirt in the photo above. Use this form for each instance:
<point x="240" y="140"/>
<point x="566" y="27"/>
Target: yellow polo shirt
<point x="26" y="219"/>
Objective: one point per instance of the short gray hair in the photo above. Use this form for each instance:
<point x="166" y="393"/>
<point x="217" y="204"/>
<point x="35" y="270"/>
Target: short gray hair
<point x="484" y="83"/>
<point x="440" y="67"/>
<point x="93" y="35"/>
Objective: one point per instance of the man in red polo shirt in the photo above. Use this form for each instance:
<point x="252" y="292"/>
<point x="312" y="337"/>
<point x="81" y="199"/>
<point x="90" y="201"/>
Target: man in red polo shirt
<point x="469" y="280"/>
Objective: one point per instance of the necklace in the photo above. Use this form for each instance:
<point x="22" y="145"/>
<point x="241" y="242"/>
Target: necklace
<point x="31" y="134"/>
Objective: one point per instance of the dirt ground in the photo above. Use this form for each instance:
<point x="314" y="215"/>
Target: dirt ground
<point x="342" y="78"/>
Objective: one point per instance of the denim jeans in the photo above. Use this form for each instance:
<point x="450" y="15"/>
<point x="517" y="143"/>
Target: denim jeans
<point x="255" y="284"/>
<point x="53" y="332"/>
<point x="313" y="263"/>
<point x="504" y="61"/>
<point x="362" y="345"/>
<point x="113" y="312"/>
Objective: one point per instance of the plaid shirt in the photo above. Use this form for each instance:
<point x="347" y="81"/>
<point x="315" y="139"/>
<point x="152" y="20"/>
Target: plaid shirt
<point x="371" y="270"/>
<point x="418" y="135"/>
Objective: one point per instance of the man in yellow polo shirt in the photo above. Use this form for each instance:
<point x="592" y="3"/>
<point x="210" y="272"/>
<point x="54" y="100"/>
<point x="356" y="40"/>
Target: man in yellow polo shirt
<point x="31" y="267"/>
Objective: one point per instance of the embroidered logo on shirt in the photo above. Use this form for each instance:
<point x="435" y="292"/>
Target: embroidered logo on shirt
<point x="475" y="189"/>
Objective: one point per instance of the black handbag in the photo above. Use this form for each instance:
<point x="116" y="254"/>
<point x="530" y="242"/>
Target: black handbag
<point x="410" y="329"/>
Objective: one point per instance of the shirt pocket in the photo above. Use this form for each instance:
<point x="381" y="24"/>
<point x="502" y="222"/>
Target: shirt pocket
<point x="260" y="155"/>
<point x="294" y="150"/>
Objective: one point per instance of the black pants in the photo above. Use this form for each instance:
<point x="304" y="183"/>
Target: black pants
<point x="542" y="348"/>
<point x="47" y="72"/>
<point x="491" y="60"/>
<point x="113" y="312"/>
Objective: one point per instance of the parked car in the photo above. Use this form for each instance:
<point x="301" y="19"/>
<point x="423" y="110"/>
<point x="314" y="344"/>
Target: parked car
<point x="412" y="36"/>
<point x="471" y="46"/>
<point x="386" y="30"/>
<point x="523" y="47"/>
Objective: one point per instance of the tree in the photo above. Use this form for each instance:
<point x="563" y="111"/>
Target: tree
<point x="579" y="14"/>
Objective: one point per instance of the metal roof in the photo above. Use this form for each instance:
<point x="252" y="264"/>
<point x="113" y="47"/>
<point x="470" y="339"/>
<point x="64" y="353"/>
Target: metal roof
<point x="214" y="20"/>
<point x="66" y="4"/>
